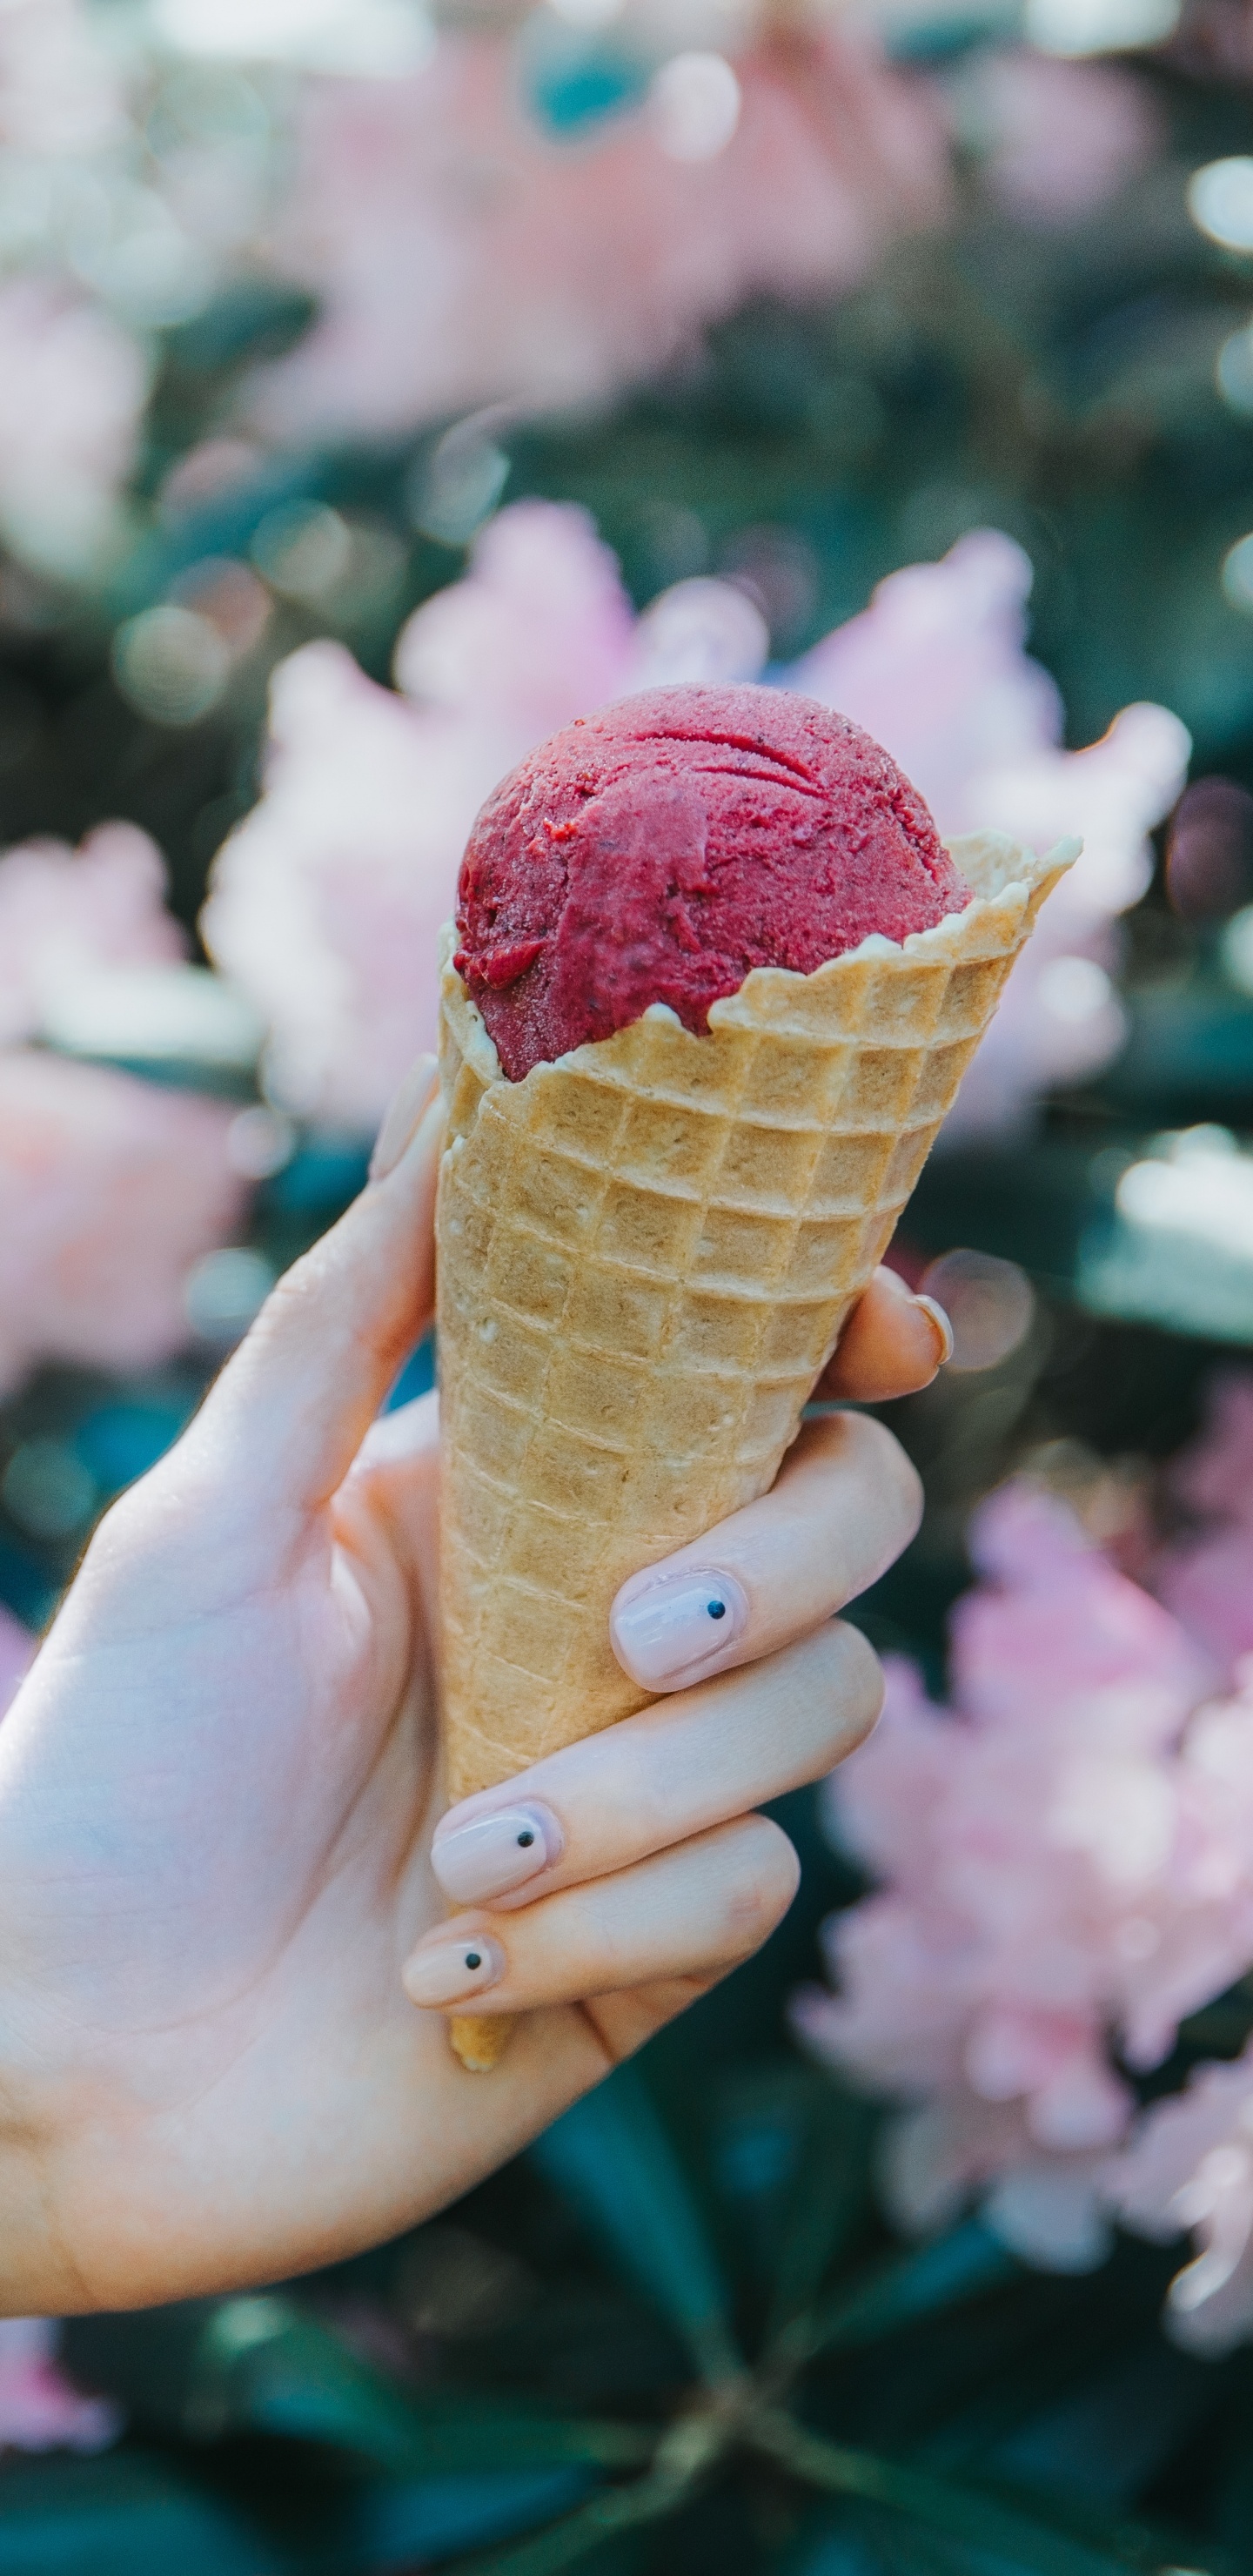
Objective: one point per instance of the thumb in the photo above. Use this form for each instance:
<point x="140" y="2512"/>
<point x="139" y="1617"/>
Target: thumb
<point x="292" y="1407"/>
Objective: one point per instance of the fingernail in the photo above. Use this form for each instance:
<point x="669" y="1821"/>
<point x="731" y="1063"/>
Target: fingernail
<point x="450" y="1972"/>
<point x="495" y="1853"/>
<point x="403" y="1115"/>
<point x="674" y="1626"/>
<point x="943" y="1329"/>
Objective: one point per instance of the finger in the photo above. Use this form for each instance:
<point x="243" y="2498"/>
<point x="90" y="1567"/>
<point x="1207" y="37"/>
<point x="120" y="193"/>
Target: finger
<point x="652" y="1781"/>
<point x="400" y="1439"/>
<point x="302" y="1389"/>
<point x="694" y="1911"/>
<point x="892" y="1344"/>
<point x="845" y="1504"/>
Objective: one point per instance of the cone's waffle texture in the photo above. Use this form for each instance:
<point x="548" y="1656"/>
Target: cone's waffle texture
<point x="646" y="1253"/>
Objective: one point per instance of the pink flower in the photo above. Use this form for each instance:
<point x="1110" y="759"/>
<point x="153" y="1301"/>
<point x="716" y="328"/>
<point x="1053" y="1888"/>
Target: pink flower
<point x="39" y="2410"/>
<point x="17" y="1653"/>
<point x="110" y="1188"/>
<point x="463" y="257"/>
<point x="1066" y="1858"/>
<point x="935" y="669"/>
<point x="1060" y="138"/>
<point x="1190" y="2166"/>
<point x="64" y="912"/>
<point x="72" y="390"/>
<point x="1206" y="1576"/>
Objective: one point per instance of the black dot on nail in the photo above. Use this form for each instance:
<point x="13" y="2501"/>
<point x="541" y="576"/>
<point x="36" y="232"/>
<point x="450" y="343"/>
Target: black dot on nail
<point x="474" y="1959"/>
<point x="525" y="1840"/>
<point x="716" y="1609"/>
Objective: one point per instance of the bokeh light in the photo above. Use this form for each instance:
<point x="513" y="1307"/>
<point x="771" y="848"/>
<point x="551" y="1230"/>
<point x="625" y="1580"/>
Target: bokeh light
<point x="1237" y="575"/>
<point x="1099" y="26"/>
<point x="1233" y="371"/>
<point x="1074" y="988"/>
<point x="1220" y="201"/>
<point x="989" y="1303"/>
<point x="224" y="1291"/>
<point x="694" y="105"/>
<point x="1209" y="862"/>
<point x="47" y="1490"/>
<point x="303" y="549"/>
<point x="363" y="39"/>
<point x="170" y="664"/>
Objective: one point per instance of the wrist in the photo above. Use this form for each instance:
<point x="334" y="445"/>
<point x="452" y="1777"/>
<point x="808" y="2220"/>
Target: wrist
<point x="38" y="2275"/>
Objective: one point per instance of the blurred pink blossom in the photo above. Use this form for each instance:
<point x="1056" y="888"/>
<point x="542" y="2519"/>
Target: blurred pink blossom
<point x="1206" y="1575"/>
<point x="463" y="257"/>
<point x="325" y="902"/>
<point x="1058" y="138"/>
<point x="72" y="389"/>
<point x="1190" y="2166"/>
<point x="64" y="911"/>
<point x="17" y="1651"/>
<point x="110" y="1189"/>
<point x="935" y="669"/>
<point x="1066" y="1858"/>
<point x="39" y="2410"/>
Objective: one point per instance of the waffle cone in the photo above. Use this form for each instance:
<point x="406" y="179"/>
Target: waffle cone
<point x="646" y="1253"/>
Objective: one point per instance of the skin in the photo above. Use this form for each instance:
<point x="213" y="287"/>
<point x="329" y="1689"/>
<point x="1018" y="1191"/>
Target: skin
<point x="219" y="1788"/>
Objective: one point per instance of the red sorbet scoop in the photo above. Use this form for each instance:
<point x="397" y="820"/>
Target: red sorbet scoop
<point x="659" y="851"/>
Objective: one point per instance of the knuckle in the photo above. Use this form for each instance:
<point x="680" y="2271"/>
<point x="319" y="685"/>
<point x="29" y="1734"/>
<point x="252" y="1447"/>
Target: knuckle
<point x="861" y="1685"/>
<point x="879" y="1457"/>
<point x="763" y="1883"/>
<point x="290" y="1296"/>
<point x="850" y="1692"/>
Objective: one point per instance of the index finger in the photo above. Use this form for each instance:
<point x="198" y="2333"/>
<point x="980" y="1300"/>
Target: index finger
<point x="298" y="1396"/>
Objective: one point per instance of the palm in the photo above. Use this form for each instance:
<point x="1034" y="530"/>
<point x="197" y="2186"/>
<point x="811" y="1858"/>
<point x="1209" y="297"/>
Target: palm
<point x="223" y="1862"/>
<point x="217" y="1792"/>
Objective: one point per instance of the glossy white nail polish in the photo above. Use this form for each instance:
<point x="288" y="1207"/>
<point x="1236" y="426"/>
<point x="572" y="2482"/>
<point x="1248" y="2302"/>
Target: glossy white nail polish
<point x="495" y="1853"/>
<point x="450" y="1972"/>
<point x="676" y="1626"/>
<point x="936" y="1316"/>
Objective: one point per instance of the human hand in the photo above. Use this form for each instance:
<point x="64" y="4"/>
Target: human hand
<point x="218" y="1790"/>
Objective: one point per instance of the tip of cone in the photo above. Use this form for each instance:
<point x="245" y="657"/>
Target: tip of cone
<point x="479" y="2043"/>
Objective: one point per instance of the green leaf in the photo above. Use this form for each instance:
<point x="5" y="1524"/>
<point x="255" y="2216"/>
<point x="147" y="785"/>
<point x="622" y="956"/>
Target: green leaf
<point x="963" y="2265"/>
<point x="144" y="2514"/>
<point x="596" y="2524"/>
<point x="828" y="2201"/>
<point x="971" y="2516"/>
<point x="262" y="2364"/>
<point x="286" y="2373"/>
<point x="126" y="2515"/>
<point x="612" y="2157"/>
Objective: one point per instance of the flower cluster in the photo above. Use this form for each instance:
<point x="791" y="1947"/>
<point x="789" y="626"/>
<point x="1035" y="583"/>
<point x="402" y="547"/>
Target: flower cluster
<point x="39" y="2410"/>
<point x="326" y="899"/>
<point x="110" y="1188"/>
<point x="1067" y="1865"/>
<point x="1205" y="1574"/>
<point x="464" y="255"/>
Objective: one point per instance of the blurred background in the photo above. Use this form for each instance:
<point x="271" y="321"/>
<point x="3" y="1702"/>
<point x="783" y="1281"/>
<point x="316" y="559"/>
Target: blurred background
<point x="380" y="388"/>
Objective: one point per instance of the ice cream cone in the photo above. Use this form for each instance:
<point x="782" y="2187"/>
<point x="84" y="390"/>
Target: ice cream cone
<point x="646" y="1253"/>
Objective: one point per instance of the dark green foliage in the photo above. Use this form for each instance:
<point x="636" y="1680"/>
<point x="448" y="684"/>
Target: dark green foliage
<point x="853" y="2404"/>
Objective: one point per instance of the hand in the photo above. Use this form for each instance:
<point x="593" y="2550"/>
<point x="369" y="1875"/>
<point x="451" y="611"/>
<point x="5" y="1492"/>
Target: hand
<point x="218" y="1794"/>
